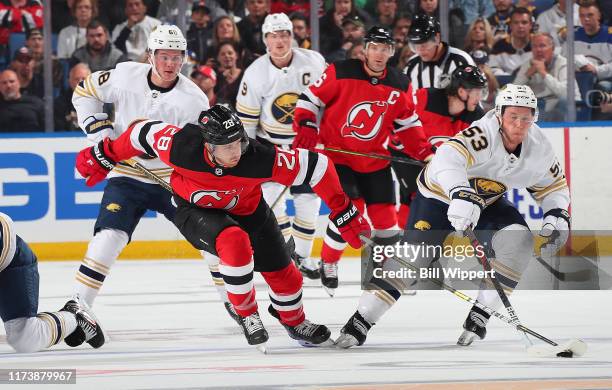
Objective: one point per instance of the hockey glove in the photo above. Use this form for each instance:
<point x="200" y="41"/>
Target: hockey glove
<point x="96" y="162"/>
<point x="351" y="224"/>
<point x="98" y="127"/>
<point x="465" y="208"/>
<point x="307" y="135"/>
<point x="555" y="230"/>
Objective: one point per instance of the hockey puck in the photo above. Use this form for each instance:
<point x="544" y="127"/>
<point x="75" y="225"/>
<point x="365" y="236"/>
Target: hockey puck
<point x="565" y="354"/>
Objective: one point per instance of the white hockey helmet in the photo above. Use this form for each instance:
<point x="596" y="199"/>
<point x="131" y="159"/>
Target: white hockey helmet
<point x="167" y="36"/>
<point x="276" y="22"/>
<point x="516" y="95"/>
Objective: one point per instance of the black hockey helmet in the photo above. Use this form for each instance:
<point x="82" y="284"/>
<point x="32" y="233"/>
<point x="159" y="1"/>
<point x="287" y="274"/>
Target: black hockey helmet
<point x="379" y="34"/>
<point x="423" y="29"/>
<point x="468" y="77"/>
<point x="220" y="125"/>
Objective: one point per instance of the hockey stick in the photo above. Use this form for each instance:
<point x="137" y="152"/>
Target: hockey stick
<point x="574" y="276"/>
<point x="486" y="264"/>
<point x="279" y="197"/>
<point x="569" y="349"/>
<point x="374" y="155"/>
<point x="149" y="174"/>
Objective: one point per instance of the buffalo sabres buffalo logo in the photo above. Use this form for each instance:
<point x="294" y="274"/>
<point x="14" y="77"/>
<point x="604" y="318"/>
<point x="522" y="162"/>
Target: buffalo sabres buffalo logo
<point x="113" y="207"/>
<point x="364" y="120"/>
<point x="217" y="199"/>
<point x="283" y="107"/>
<point x="486" y="187"/>
<point x="422" y="225"/>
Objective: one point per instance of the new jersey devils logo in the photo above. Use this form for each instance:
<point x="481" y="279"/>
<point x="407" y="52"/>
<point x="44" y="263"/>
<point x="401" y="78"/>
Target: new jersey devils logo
<point x="364" y="120"/>
<point x="216" y="199"/>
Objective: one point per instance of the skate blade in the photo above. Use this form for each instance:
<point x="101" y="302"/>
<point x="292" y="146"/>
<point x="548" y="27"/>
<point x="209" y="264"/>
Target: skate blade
<point x="263" y="348"/>
<point x="345" y="341"/>
<point x="467" y="338"/>
<point x="572" y="348"/>
<point x="329" y="291"/>
<point x="409" y="293"/>
<point x="327" y="343"/>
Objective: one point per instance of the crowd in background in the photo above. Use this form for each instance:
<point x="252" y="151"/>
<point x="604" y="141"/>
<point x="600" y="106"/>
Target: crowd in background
<point x="522" y="42"/>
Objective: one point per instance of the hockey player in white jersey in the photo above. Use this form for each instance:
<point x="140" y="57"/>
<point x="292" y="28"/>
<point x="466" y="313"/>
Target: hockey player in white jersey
<point x="28" y="330"/>
<point x="266" y="100"/>
<point x="463" y="187"/>
<point x="154" y="90"/>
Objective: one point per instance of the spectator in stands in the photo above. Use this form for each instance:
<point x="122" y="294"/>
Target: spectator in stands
<point x="225" y="29"/>
<point x="546" y="74"/>
<point x="353" y="30"/>
<point x="18" y="112"/>
<point x="472" y="10"/>
<point x="500" y="19"/>
<point x="23" y="65"/>
<point x="530" y="5"/>
<point x="36" y="44"/>
<point x="434" y="60"/>
<point x="330" y="24"/>
<point x="553" y="22"/>
<point x="229" y="74"/>
<point x="399" y="33"/>
<point x="479" y="36"/>
<point x="404" y="55"/>
<point x="301" y="30"/>
<point x="481" y="58"/>
<point x="386" y="12"/>
<point x="65" y="117"/>
<point x="429" y="8"/>
<point x="131" y="36"/>
<point x="290" y="6"/>
<point x="511" y="52"/>
<point x="98" y="53"/>
<point x="61" y="15"/>
<point x="200" y="32"/>
<point x="18" y="16"/>
<point x="167" y="12"/>
<point x="73" y="37"/>
<point x="357" y="51"/>
<point x="205" y="77"/>
<point x="250" y="26"/>
<point x="593" y="45"/>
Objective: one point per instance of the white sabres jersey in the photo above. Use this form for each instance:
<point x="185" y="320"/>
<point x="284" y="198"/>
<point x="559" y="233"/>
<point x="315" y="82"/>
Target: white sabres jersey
<point x="476" y="157"/>
<point x="268" y="95"/>
<point x="128" y="86"/>
<point x="8" y="241"/>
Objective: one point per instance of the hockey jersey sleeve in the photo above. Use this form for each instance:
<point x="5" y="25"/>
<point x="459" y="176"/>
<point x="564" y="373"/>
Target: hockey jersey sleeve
<point x="449" y="165"/>
<point x="315" y="97"/>
<point x="248" y="102"/>
<point x="89" y="97"/>
<point x="408" y="128"/>
<point x="295" y="167"/>
<point x="8" y="241"/>
<point x="551" y="190"/>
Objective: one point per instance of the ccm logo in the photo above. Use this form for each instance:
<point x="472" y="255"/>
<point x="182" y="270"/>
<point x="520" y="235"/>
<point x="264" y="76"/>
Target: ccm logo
<point x="346" y="216"/>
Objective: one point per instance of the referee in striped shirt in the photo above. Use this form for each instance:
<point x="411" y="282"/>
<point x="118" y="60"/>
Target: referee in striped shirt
<point x="434" y="60"/>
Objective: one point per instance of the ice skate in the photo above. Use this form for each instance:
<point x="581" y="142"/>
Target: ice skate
<point x="354" y="332"/>
<point x="474" y="327"/>
<point x="306" y="333"/>
<point x="232" y="313"/>
<point x="309" y="267"/>
<point x="329" y="277"/>
<point x="254" y="331"/>
<point x="88" y="328"/>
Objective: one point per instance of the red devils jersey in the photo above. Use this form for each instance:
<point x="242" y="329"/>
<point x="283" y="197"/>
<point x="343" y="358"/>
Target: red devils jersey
<point x="237" y="190"/>
<point x="360" y="112"/>
<point x="438" y="124"/>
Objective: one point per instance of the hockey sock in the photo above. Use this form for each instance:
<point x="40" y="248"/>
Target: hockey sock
<point x="213" y="266"/>
<point x="304" y="223"/>
<point x="36" y="333"/>
<point x="236" y="267"/>
<point x="102" y="252"/>
<point x="286" y="293"/>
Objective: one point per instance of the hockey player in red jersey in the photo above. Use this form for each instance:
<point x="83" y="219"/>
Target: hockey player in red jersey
<point x="217" y="177"/>
<point x="443" y="112"/>
<point x="364" y="103"/>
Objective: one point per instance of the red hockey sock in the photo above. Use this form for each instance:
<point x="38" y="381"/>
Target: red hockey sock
<point x="402" y="215"/>
<point x="236" y="266"/>
<point x="286" y="293"/>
